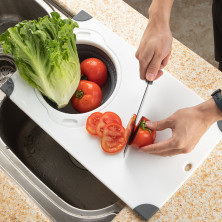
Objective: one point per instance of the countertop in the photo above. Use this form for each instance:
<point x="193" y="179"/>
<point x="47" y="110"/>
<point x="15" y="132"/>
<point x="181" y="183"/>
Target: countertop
<point x="200" y="197"/>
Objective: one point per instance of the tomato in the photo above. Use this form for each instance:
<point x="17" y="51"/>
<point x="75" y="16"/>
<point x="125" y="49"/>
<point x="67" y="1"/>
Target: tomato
<point x="87" y="97"/>
<point x="143" y="135"/>
<point x="95" y="70"/>
<point x="107" y="117"/>
<point x="129" y="127"/>
<point x="113" y="138"/>
<point x="92" y="121"/>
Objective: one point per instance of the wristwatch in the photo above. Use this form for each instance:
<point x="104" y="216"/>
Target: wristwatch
<point x="217" y="98"/>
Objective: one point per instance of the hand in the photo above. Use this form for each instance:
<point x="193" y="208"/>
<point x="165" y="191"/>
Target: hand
<point x="154" y="50"/>
<point x="188" y="125"/>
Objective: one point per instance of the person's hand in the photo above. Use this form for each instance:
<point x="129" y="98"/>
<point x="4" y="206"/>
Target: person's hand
<point x="188" y="125"/>
<point x="154" y="50"/>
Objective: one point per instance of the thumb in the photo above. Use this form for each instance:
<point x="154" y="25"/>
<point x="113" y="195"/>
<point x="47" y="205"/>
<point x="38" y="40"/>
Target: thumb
<point x="159" y="125"/>
<point x="153" y="68"/>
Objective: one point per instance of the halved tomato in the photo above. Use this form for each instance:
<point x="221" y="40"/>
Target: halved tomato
<point x="129" y="127"/>
<point x="143" y="136"/>
<point x="113" y="138"/>
<point x="107" y="117"/>
<point x="92" y="122"/>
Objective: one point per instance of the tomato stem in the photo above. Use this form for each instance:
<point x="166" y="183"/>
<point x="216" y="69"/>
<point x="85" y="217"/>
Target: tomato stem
<point x="84" y="77"/>
<point x="144" y="127"/>
<point x="79" y="94"/>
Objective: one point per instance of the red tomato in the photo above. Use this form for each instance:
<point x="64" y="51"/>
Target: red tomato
<point x="113" y="138"/>
<point x="129" y="127"/>
<point x="107" y="117"/>
<point x="95" y="70"/>
<point x="87" y="97"/>
<point x="143" y="135"/>
<point x="92" y="121"/>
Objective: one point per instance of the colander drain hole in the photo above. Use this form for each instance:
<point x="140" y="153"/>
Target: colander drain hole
<point x="7" y="68"/>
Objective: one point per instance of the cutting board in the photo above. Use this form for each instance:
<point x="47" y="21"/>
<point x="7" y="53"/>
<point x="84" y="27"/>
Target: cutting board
<point x="143" y="181"/>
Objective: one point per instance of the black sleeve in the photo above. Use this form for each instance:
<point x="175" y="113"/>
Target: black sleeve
<point x="217" y="27"/>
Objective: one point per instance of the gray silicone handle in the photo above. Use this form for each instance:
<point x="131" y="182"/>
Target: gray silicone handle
<point x="146" y="210"/>
<point x="82" y="16"/>
<point x="8" y="87"/>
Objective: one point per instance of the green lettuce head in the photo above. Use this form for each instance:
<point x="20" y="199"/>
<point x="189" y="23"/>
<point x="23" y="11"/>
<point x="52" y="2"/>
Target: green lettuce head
<point x="46" y="56"/>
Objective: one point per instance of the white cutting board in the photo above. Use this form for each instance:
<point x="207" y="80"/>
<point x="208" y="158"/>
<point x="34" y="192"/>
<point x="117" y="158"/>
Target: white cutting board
<point x="144" y="182"/>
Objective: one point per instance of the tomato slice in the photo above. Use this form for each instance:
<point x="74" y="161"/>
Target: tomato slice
<point x="92" y="122"/>
<point x="113" y="138"/>
<point x="129" y="127"/>
<point x="143" y="136"/>
<point x="107" y="117"/>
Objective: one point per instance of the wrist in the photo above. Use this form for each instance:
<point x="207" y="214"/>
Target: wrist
<point x="209" y="111"/>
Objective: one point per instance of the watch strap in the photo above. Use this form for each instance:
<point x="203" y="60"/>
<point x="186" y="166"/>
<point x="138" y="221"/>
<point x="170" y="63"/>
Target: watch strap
<point x="217" y="98"/>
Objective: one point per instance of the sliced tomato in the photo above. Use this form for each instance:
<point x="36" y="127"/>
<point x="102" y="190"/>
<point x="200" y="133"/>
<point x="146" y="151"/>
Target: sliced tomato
<point x="129" y="127"/>
<point x="92" y="122"/>
<point x="107" y="117"/>
<point x="143" y="136"/>
<point x="113" y="138"/>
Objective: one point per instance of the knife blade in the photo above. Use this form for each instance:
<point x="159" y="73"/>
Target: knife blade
<point x="138" y="112"/>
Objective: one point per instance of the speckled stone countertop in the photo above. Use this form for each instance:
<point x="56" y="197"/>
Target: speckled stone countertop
<point x="200" y="198"/>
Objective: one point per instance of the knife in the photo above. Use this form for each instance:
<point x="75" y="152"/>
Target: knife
<point x="131" y="136"/>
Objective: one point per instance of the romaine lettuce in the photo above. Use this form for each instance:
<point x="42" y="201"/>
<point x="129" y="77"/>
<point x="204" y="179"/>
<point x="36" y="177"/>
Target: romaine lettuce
<point x="46" y="56"/>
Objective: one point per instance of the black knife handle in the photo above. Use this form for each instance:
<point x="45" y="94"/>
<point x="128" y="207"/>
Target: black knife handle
<point x="149" y="82"/>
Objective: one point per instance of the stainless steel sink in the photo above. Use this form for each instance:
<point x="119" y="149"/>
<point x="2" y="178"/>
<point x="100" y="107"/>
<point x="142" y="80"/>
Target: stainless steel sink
<point x="53" y="179"/>
<point x="12" y="11"/>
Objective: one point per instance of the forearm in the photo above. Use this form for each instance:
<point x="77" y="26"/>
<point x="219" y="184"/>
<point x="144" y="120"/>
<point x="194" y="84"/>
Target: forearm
<point x="156" y="44"/>
<point x="160" y="10"/>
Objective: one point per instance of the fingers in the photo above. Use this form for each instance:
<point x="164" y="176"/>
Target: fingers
<point x="169" y="147"/>
<point x="154" y="71"/>
<point x="165" y="60"/>
<point x="160" y="125"/>
<point x="161" y="146"/>
<point x="169" y="153"/>
<point x="163" y="64"/>
<point x="158" y="147"/>
<point x="143" y="68"/>
<point x="144" y="62"/>
<point x="153" y="67"/>
<point x="173" y="146"/>
<point x="159" y="74"/>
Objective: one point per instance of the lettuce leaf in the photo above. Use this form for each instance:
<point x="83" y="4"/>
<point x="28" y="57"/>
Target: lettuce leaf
<point x="46" y="56"/>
